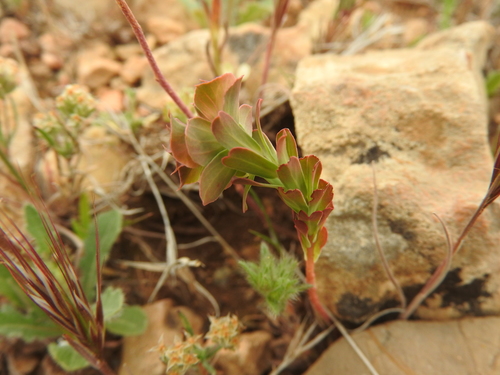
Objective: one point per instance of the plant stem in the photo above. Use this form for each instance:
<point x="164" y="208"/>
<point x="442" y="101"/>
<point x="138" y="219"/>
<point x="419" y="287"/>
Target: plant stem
<point x="160" y="78"/>
<point x="104" y="368"/>
<point x="439" y="275"/>
<point x="280" y="8"/>
<point x="313" y="291"/>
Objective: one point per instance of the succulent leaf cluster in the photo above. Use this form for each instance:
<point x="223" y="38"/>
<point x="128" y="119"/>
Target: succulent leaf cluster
<point x="220" y="147"/>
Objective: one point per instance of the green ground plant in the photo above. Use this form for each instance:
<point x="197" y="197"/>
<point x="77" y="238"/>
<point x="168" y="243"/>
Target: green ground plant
<point x="197" y="351"/>
<point x="51" y="294"/>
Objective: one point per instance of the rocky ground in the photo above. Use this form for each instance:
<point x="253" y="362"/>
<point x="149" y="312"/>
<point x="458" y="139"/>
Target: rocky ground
<point x="400" y="85"/>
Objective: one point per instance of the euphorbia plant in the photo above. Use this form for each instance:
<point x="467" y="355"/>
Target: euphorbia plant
<point x="219" y="147"/>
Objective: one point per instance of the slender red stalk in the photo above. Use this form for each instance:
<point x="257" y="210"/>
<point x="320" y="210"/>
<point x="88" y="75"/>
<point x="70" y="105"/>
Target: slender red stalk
<point x="313" y="291"/>
<point x="279" y="14"/>
<point x="160" y="78"/>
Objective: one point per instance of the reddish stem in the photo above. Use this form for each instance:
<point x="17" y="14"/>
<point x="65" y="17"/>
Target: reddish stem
<point x="160" y="78"/>
<point x="313" y="291"/>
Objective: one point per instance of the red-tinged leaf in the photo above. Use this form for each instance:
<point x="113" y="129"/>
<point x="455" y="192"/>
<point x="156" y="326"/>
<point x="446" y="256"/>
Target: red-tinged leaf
<point x="232" y="99"/>
<point x="201" y="143"/>
<point x="322" y="197"/>
<point x="301" y="227"/>
<point x="311" y="168"/>
<point x="302" y="174"/>
<point x="291" y="175"/>
<point x="245" y="118"/>
<point x="214" y="179"/>
<point x="244" y="197"/>
<point x="321" y="241"/>
<point x="293" y="199"/>
<point x="209" y="96"/>
<point x="189" y="175"/>
<point x="315" y="220"/>
<point x="247" y="161"/>
<point x="286" y="147"/>
<point x="230" y="134"/>
<point x="178" y="144"/>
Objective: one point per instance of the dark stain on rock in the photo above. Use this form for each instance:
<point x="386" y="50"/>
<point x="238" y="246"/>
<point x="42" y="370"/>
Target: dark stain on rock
<point x="245" y="45"/>
<point x="401" y="227"/>
<point x="457" y="294"/>
<point x="353" y="308"/>
<point x="373" y="154"/>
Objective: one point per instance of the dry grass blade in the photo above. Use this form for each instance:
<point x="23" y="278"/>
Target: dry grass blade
<point x="227" y="248"/>
<point x="436" y="278"/>
<point x="63" y="301"/>
<point x="299" y="345"/>
<point x="180" y="265"/>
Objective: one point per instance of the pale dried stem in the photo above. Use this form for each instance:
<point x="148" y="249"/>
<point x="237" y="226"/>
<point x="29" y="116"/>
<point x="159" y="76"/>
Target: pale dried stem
<point x="160" y="78"/>
<point x="299" y="345"/>
<point x="439" y="275"/>
<point x="227" y="248"/>
<point x="171" y="246"/>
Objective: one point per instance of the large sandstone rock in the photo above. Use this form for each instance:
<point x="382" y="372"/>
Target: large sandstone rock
<point x="420" y="116"/>
<point x="463" y="347"/>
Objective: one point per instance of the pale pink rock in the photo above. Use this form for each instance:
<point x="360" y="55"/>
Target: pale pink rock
<point x="415" y="29"/>
<point x="109" y="100"/>
<point x="133" y="69"/>
<point x="97" y="72"/>
<point x="421" y="116"/>
<point x="126" y="51"/>
<point x="251" y="357"/>
<point x="12" y="29"/>
<point x="458" y="347"/>
<point x="165" y="29"/>
<point x="52" y="60"/>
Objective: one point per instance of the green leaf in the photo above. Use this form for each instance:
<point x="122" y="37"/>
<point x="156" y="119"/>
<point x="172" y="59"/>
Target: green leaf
<point x="255" y="11"/>
<point x="209" y="96"/>
<point x="36" y="228"/>
<point x="215" y="178"/>
<point x="29" y="327"/>
<point x="11" y="290"/>
<point x="82" y="224"/>
<point x="230" y="134"/>
<point x="261" y="138"/>
<point x="247" y="161"/>
<point x="232" y="99"/>
<point x="200" y="142"/>
<point x="66" y="356"/>
<point x="189" y="175"/>
<point x="130" y="322"/>
<point x="112" y="302"/>
<point x="109" y="226"/>
<point x="493" y="83"/>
